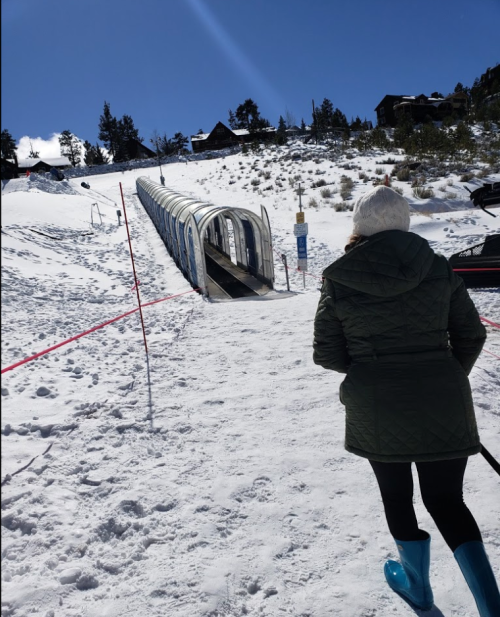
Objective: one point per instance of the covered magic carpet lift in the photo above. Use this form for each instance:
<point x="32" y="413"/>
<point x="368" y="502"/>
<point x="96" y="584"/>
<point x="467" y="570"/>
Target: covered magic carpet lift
<point x="225" y="252"/>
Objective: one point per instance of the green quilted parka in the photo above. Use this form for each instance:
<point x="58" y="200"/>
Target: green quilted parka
<point x="395" y="317"/>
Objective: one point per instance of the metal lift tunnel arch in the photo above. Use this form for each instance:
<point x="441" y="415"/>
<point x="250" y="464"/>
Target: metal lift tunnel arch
<point x="198" y="238"/>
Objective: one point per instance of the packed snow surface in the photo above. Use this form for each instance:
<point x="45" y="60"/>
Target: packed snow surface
<point x="222" y="487"/>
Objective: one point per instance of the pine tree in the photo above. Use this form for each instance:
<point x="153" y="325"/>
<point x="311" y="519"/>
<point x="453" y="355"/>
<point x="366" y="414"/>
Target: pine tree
<point x="164" y="145"/>
<point x="428" y="139"/>
<point x="233" y="123"/>
<point x="108" y="130"/>
<point x="464" y="138"/>
<point x="121" y="152"/>
<point x="326" y="118"/>
<point x="492" y="112"/>
<point x="322" y="117"/>
<point x="94" y="155"/>
<point x="89" y="156"/>
<point x="70" y="147"/>
<point x="363" y="140"/>
<point x="379" y="138"/>
<point x="403" y="131"/>
<point x="247" y="116"/>
<point x="128" y="135"/>
<point x="179" y="143"/>
<point x="99" y="157"/>
<point x="356" y="124"/>
<point x="281" y="136"/>
<point x="8" y="146"/>
<point x="477" y="94"/>
<point x="289" y="119"/>
<point x="339" y="121"/>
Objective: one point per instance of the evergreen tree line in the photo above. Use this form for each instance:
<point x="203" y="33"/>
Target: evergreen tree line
<point x="429" y="139"/>
<point x="421" y="140"/>
<point x="167" y="147"/>
<point x="325" y="119"/>
<point x="120" y="136"/>
<point x="8" y="146"/>
<point x="482" y="88"/>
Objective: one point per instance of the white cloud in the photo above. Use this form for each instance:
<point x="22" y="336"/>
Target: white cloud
<point x="48" y="148"/>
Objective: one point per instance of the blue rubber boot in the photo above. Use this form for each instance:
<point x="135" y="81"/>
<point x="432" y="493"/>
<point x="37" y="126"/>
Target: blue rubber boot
<point x="410" y="578"/>
<point x="473" y="562"/>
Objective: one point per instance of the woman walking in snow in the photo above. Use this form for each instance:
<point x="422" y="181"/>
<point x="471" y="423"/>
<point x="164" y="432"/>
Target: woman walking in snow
<point x="399" y="322"/>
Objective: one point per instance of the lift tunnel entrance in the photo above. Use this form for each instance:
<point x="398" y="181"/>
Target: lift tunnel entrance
<point x="224" y="251"/>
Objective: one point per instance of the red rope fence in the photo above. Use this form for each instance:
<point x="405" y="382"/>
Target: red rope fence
<point x="476" y="269"/>
<point x="110" y="321"/>
<point x="106" y="323"/>
<point x="491" y="323"/>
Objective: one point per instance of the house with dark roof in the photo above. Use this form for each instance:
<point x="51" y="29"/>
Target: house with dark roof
<point x="9" y="169"/>
<point x="41" y="165"/>
<point x="385" y="109"/>
<point x="221" y="137"/>
<point x="419" y="108"/>
<point x="139" y="151"/>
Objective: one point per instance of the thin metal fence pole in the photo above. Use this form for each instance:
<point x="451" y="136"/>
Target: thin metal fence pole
<point x="133" y="268"/>
<point x="283" y="258"/>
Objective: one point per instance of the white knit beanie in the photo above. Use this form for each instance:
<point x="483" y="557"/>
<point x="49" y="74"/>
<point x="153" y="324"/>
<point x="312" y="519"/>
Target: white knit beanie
<point x="380" y="210"/>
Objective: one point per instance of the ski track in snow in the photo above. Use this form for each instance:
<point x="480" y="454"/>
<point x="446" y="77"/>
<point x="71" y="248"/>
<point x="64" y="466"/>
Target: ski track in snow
<point x="232" y="494"/>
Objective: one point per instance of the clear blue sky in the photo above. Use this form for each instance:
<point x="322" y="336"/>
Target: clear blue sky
<point x="179" y="65"/>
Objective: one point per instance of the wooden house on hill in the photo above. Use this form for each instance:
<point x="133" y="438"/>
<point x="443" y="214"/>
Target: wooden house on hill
<point x="9" y="169"/>
<point x="419" y="108"/>
<point x="139" y="151"/>
<point x="42" y="165"/>
<point x="221" y="137"/>
<point x="385" y="109"/>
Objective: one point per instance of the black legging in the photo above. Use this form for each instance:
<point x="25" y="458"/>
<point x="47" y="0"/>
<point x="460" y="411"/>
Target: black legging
<point x="441" y="485"/>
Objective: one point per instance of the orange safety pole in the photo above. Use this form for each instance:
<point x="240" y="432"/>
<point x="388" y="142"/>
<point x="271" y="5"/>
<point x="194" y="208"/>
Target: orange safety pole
<point x="133" y="268"/>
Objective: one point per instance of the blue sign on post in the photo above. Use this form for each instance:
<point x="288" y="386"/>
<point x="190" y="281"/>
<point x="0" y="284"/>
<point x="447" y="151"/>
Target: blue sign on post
<point x="302" y="253"/>
<point x="302" y="247"/>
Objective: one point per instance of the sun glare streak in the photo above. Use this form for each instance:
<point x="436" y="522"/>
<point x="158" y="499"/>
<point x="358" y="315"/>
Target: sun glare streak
<point x="239" y="60"/>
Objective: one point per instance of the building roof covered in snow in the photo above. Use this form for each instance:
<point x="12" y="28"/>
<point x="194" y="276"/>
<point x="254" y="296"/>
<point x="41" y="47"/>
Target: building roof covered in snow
<point x="60" y="161"/>
<point x="222" y="136"/>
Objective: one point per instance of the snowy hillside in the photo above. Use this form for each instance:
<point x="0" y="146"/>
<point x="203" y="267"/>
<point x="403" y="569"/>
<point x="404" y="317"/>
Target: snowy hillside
<point x="223" y="487"/>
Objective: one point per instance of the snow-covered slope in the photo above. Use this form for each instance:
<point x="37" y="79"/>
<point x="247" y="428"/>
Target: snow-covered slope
<point x="222" y="486"/>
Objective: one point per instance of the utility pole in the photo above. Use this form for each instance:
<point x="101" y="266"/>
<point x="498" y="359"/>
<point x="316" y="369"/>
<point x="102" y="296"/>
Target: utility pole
<point x="155" y="142"/>
<point x="315" y="124"/>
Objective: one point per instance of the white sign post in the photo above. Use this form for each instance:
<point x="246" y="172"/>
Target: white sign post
<point x="300" y="231"/>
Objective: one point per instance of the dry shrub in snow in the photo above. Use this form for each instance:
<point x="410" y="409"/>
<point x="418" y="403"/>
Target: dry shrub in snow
<point x="422" y="192"/>
<point x="319" y="183"/>
<point x="326" y="193"/>
<point x="341" y="207"/>
<point x="403" y="175"/>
